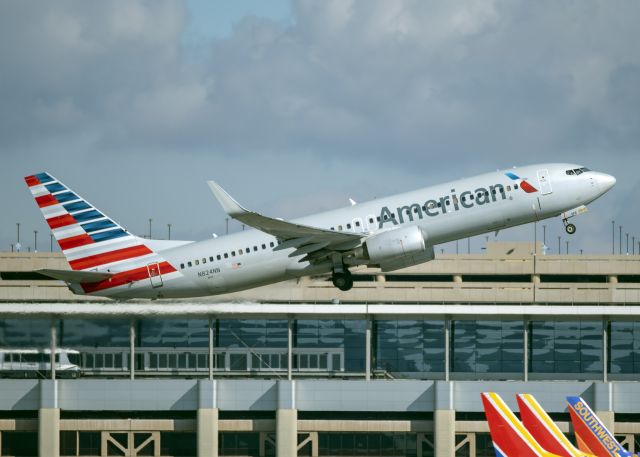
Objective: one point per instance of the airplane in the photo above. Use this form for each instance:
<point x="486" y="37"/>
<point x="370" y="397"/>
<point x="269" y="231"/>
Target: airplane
<point x="388" y="233"/>
<point x="591" y="434"/>
<point x="510" y="438"/>
<point x="544" y="430"/>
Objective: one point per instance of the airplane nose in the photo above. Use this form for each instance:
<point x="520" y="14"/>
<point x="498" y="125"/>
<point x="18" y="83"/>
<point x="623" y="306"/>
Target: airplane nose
<point x="606" y="181"/>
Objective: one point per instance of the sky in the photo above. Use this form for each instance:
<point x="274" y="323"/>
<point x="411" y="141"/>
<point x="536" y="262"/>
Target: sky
<point x="297" y="106"/>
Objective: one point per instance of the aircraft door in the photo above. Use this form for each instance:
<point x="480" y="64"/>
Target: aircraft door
<point x="154" y="275"/>
<point x="544" y="181"/>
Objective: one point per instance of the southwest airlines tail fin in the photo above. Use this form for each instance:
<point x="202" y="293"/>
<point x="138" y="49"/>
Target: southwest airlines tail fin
<point x="102" y="252"/>
<point x="510" y="438"/>
<point x="591" y="434"/>
<point x="544" y="430"/>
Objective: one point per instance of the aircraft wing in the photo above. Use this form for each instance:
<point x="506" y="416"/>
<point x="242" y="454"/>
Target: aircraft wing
<point x="75" y="276"/>
<point x="306" y="239"/>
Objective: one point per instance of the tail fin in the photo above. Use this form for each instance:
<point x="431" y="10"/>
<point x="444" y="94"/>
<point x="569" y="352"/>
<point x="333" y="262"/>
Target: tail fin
<point x="543" y="429"/>
<point x="591" y="434"/>
<point x="90" y="240"/>
<point x="510" y="438"/>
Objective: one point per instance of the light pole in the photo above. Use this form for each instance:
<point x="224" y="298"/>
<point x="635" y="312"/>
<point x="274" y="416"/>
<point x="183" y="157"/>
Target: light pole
<point x="567" y="246"/>
<point x="51" y="242"/>
<point x="169" y="230"/>
<point x="150" y="220"/>
<point x="559" y="251"/>
<point x="620" y="240"/>
<point x="613" y="237"/>
<point x="35" y="241"/>
<point x="544" y="235"/>
<point x="469" y="245"/>
<point x="627" y="244"/>
<point x="18" y="225"/>
<point x="457" y="252"/>
<point x="633" y="245"/>
<point x="226" y="221"/>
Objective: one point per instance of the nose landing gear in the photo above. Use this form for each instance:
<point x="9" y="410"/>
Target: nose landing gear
<point x="569" y="228"/>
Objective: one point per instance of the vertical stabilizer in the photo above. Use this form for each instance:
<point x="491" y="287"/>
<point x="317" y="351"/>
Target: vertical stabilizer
<point x="591" y="434"/>
<point x="91" y="241"/>
<point x="544" y="430"/>
<point x="510" y="438"/>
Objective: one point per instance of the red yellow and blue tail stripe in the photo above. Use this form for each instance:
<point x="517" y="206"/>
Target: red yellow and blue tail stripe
<point x="591" y="434"/>
<point x="544" y="430"/>
<point x="510" y="438"/>
<point x="92" y="241"/>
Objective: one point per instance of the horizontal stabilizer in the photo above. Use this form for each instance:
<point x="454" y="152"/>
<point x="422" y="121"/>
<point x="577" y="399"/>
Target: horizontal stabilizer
<point x="75" y="276"/>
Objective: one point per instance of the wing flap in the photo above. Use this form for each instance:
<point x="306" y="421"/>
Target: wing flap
<point x="75" y="276"/>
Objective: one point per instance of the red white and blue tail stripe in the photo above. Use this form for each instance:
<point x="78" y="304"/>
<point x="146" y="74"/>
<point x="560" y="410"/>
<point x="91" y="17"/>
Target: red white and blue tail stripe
<point x="91" y="241"/>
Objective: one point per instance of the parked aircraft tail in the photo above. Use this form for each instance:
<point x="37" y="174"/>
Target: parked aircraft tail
<point x="510" y="438"/>
<point x="544" y="430"/>
<point x="101" y="253"/>
<point x="591" y="434"/>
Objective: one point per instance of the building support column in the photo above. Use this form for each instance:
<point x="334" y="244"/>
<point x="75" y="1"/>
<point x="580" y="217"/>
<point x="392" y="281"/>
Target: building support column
<point x="603" y="404"/>
<point x="286" y="420"/>
<point x="444" y="420"/>
<point x="48" y="420"/>
<point x="207" y="427"/>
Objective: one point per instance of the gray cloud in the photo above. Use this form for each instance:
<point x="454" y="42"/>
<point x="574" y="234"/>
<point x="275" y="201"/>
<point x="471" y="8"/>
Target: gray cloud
<point x="361" y="98"/>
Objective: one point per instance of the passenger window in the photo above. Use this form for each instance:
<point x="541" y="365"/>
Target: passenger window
<point x="471" y="197"/>
<point x="340" y="227"/>
<point x="271" y="244"/>
<point x="486" y="194"/>
<point x="332" y="228"/>
<point x="357" y="223"/>
<point x="197" y="262"/>
<point x="218" y="257"/>
<point x="264" y="246"/>
<point x="182" y="266"/>
<point x="348" y="226"/>
<point x="515" y="186"/>
<point x="447" y="202"/>
<point x="508" y="188"/>
<point x="233" y="253"/>
<point x="378" y="218"/>
<point x="370" y="220"/>
<point x="204" y="260"/>
<point x="240" y="252"/>
<point x="255" y="249"/>
<point x="464" y="198"/>
<point x="226" y="255"/>
<point x="439" y="204"/>
<point x="189" y="264"/>
<point x="248" y="250"/>
<point x="211" y="259"/>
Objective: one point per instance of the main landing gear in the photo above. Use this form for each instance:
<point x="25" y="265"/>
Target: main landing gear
<point x="342" y="280"/>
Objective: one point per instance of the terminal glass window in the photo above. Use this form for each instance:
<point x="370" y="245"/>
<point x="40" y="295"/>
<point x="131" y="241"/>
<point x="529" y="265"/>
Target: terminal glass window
<point x="387" y="444"/>
<point x="103" y="343"/>
<point x="566" y="347"/>
<point x="173" y="333"/>
<point x="251" y="345"/>
<point x="409" y="346"/>
<point x="487" y="346"/>
<point x="329" y="345"/>
<point x="624" y="346"/>
<point x="25" y="333"/>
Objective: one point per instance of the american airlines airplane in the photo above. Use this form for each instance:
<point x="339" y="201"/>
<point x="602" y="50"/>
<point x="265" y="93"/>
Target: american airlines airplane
<point x="389" y="233"/>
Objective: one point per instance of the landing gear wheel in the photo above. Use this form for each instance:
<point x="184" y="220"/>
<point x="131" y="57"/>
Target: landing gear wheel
<point x="343" y="281"/>
<point x="570" y="228"/>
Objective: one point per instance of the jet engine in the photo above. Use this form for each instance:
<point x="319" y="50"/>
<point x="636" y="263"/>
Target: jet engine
<point x="399" y="242"/>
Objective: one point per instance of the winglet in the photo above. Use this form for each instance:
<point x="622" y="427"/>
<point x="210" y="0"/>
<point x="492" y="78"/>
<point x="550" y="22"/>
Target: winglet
<point x="229" y="205"/>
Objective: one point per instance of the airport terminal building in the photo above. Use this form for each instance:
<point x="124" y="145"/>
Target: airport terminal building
<point x="393" y="367"/>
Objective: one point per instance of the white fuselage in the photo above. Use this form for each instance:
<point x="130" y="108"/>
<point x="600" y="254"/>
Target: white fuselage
<point x="445" y="212"/>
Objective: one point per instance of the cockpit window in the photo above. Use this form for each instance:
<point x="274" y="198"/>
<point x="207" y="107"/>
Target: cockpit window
<point x="577" y="171"/>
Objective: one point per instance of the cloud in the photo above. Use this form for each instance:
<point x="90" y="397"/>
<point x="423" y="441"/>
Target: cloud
<point x="420" y="90"/>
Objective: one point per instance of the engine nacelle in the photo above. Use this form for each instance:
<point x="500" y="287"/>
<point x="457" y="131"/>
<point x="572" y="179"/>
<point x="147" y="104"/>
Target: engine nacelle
<point x="395" y="243"/>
